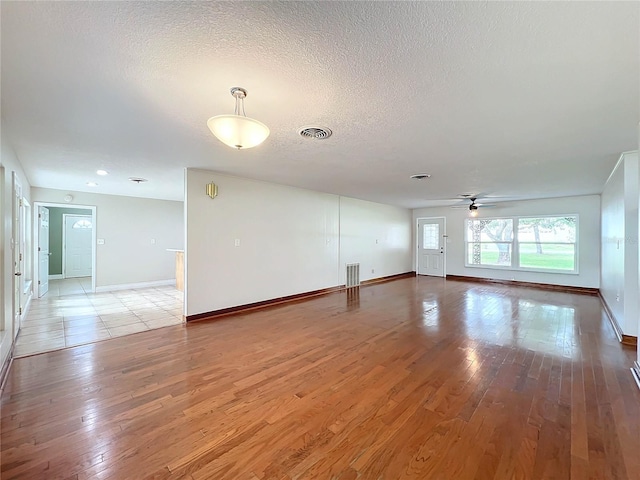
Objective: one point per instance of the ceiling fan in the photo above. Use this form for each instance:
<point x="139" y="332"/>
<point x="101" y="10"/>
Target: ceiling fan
<point x="473" y="206"/>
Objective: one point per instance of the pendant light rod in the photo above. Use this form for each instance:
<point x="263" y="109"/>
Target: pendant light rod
<point x="240" y="94"/>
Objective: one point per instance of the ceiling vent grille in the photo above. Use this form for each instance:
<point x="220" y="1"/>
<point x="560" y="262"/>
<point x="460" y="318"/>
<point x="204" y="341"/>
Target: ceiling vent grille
<point x="315" y="132"/>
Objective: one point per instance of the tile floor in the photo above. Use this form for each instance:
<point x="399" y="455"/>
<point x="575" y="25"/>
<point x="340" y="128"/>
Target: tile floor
<point x="69" y="314"/>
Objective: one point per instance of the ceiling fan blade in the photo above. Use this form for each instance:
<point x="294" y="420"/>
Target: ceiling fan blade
<point x="460" y="206"/>
<point x="484" y="205"/>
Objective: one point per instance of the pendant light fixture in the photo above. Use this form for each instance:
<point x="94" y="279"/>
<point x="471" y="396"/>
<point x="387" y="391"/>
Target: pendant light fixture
<point x="238" y="130"/>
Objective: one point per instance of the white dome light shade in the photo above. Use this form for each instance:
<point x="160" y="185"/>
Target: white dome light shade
<point x="238" y="131"/>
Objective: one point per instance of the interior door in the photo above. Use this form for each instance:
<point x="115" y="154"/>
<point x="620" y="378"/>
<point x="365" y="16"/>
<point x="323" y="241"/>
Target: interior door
<point x="43" y="251"/>
<point x="431" y="238"/>
<point x="16" y="245"/>
<point x="77" y="246"/>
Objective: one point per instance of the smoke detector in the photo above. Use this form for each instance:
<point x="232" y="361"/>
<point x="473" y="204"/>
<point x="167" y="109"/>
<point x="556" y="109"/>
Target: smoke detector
<point x="315" y="132"/>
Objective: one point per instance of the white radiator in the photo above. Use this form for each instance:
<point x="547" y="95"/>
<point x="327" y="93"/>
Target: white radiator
<point x="353" y="275"/>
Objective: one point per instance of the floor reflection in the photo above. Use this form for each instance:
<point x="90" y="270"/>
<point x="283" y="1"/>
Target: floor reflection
<point x="353" y="298"/>
<point x="527" y="323"/>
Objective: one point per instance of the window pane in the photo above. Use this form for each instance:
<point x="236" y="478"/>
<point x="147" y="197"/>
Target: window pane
<point x="495" y="230"/>
<point x="547" y="229"/>
<point x="547" y="243"/>
<point x="489" y="254"/>
<point x="431" y="236"/>
<point x="82" y="224"/>
<point x="553" y="256"/>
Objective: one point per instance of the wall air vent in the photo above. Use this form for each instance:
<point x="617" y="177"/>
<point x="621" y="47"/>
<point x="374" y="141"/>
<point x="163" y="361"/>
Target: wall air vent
<point x="315" y="132"/>
<point x="353" y="275"/>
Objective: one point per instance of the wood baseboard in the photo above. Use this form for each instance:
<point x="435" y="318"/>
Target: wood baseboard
<point x="388" y="278"/>
<point x="287" y="299"/>
<point x="635" y="371"/>
<point x="516" y="283"/>
<point x="629" y="340"/>
<point x="263" y="304"/>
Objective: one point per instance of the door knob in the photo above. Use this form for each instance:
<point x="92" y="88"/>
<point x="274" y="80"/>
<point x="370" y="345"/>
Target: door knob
<point x="17" y="274"/>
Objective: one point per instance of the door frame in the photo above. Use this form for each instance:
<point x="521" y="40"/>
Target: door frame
<point x="64" y="240"/>
<point x="17" y="256"/>
<point x="93" y="208"/>
<point x="444" y="243"/>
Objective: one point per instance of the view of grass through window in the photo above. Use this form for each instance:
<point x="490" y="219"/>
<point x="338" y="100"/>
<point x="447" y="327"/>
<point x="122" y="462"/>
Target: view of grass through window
<point x="541" y="243"/>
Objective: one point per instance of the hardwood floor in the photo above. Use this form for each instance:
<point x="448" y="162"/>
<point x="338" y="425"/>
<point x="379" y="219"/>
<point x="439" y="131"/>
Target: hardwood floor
<point x="419" y="378"/>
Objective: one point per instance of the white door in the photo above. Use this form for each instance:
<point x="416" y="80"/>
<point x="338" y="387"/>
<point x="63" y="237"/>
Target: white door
<point x="43" y="250"/>
<point x="76" y="248"/>
<point x="431" y="246"/>
<point x="16" y="245"/>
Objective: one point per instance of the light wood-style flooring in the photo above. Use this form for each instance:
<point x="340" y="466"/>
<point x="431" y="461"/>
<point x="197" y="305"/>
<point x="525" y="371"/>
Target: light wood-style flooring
<point x="418" y="378"/>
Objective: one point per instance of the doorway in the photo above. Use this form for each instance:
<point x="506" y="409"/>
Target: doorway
<point x="49" y="241"/>
<point x="431" y="246"/>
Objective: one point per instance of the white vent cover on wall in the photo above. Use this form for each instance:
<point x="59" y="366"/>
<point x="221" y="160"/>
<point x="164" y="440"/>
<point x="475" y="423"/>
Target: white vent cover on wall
<point x="353" y="275"/>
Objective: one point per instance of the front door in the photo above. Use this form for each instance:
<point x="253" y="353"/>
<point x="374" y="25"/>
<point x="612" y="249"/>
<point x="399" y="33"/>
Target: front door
<point x="77" y="246"/>
<point x="431" y="246"/>
<point x="43" y="251"/>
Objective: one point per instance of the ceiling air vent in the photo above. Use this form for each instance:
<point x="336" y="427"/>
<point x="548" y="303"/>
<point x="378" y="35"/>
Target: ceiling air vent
<point x="315" y="132"/>
<point x="137" y="180"/>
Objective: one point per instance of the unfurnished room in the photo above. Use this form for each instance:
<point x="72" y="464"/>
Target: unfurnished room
<point x="320" y="240"/>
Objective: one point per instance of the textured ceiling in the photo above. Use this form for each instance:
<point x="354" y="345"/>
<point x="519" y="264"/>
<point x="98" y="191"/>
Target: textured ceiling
<point x="519" y="100"/>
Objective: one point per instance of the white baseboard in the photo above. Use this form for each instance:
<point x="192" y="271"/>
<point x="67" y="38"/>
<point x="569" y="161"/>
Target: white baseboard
<point x="56" y="277"/>
<point x="26" y="307"/>
<point x="133" y="286"/>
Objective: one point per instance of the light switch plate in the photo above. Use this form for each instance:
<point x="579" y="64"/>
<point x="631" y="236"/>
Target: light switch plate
<point x="101" y="241"/>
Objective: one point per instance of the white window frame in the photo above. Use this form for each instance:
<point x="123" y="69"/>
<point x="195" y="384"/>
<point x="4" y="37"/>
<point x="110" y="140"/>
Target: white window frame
<point x="515" y="245"/>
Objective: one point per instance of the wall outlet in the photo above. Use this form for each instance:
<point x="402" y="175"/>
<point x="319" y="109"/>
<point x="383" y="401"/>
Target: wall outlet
<point x="100" y="241"/>
<point x="153" y="241"/>
<point x="237" y="242"/>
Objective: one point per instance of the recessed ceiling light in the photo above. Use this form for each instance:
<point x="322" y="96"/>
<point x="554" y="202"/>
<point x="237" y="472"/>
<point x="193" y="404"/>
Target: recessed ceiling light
<point x="92" y="184"/>
<point x="420" y="176"/>
<point x="138" y="180"/>
<point x="102" y="172"/>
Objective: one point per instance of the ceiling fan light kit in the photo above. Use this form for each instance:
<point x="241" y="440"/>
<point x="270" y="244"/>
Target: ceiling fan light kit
<point x="237" y="130"/>
<point x="473" y="207"/>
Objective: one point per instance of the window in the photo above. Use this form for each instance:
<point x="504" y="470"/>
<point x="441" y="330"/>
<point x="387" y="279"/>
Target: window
<point x="523" y="243"/>
<point x="431" y="236"/>
<point x="490" y="242"/>
<point x="82" y="224"/>
<point x="547" y="243"/>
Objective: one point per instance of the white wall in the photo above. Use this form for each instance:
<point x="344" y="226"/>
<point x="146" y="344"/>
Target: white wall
<point x="128" y="225"/>
<point x="619" y="274"/>
<point x="375" y="236"/>
<point x="289" y="241"/>
<point x="588" y="209"/>
<point x="10" y="162"/>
